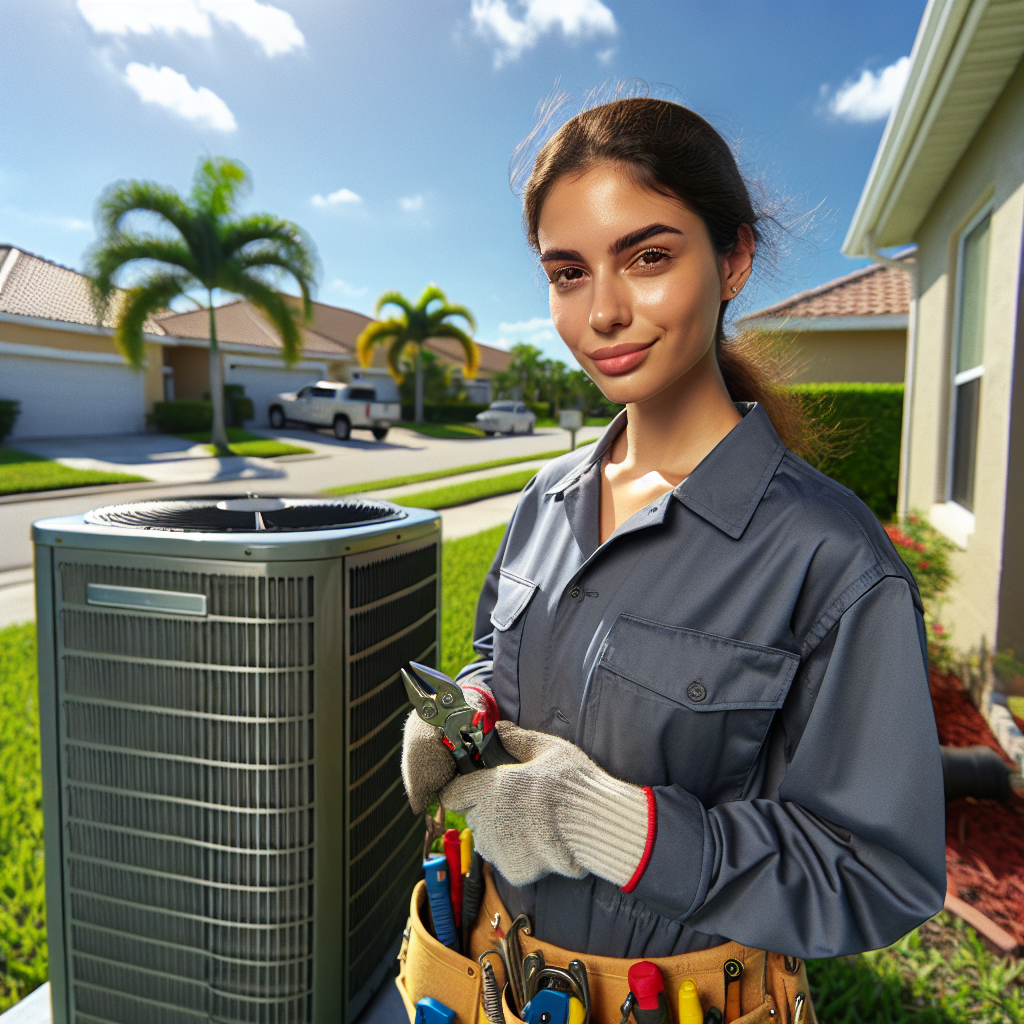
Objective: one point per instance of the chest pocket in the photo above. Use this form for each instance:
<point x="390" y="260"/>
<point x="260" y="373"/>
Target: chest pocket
<point x="668" y="705"/>
<point x="507" y="618"/>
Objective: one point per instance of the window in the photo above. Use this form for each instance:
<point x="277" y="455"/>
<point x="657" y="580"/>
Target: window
<point x="360" y="394"/>
<point x="322" y="392"/>
<point x="968" y="359"/>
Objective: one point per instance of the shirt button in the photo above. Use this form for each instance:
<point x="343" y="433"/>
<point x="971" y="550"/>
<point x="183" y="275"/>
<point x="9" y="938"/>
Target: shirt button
<point x="696" y="692"/>
<point x="574" y="593"/>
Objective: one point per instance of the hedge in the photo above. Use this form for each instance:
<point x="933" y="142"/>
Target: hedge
<point x="863" y="424"/>
<point x="8" y="414"/>
<point x="182" y="417"/>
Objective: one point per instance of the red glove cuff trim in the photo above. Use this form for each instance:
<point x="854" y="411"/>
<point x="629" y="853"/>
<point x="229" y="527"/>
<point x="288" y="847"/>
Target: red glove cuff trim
<point x="652" y="834"/>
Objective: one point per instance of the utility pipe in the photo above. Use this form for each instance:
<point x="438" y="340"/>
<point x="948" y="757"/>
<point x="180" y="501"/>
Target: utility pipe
<point x="903" y="499"/>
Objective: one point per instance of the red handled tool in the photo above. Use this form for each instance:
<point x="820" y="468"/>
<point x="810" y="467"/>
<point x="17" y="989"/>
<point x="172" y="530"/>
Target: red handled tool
<point x="453" y="854"/>
<point x="469" y="734"/>
<point x="648" y="989"/>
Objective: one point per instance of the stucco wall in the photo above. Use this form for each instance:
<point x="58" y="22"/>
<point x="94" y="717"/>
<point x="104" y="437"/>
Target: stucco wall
<point x="191" y="367"/>
<point x="992" y="170"/>
<point x="876" y="357"/>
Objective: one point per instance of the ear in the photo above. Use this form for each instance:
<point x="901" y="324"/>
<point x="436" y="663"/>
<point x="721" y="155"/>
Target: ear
<point x="737" y="265"/>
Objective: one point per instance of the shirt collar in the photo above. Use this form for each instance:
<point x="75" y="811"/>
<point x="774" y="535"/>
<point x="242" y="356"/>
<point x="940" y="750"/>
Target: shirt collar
<point x="730" y="481"/>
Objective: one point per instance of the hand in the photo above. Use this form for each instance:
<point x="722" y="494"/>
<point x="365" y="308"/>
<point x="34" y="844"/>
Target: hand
<point x="427" y="764"/>
<point x="556" y="812"/>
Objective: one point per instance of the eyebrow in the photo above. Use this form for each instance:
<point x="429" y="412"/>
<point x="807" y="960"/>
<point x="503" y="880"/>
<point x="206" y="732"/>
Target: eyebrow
<point x="618" y="246"/>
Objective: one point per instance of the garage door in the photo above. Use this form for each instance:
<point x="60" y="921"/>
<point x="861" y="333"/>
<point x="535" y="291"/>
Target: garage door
<point x="264" y="383"/>
<point x="61" y="398"/>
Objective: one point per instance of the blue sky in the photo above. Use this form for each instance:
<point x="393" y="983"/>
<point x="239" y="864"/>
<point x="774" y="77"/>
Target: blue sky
<point x="385" y="128"/>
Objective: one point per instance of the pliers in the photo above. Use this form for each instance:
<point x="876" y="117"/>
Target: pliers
<point x="469" y="734"/>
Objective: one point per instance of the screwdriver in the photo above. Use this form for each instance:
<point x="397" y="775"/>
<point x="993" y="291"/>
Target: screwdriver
<point x="648" y="987"/>
<point x="436" y="871"/>
<point x="472" y="896"/>
<point x="453" y="854"/>
<point x="466" y="839"/>
<point x="690" y="1011"/>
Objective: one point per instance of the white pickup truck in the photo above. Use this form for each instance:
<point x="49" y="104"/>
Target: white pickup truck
<point x="344" y="407"/>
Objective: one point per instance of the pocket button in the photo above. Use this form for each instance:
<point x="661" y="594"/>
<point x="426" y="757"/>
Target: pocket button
<point x="574" y="593"/>
<point x="696" y="692"/>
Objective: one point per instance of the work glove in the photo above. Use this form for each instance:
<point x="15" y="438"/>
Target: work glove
<point x="427" y="764"/>
<point x="556" y="812"/>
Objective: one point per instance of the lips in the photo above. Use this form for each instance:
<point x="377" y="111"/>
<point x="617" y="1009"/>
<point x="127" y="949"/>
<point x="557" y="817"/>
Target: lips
<point x="615" y="360"/>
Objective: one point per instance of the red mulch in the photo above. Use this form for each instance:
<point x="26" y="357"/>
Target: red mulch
<point x="984" y="838"/>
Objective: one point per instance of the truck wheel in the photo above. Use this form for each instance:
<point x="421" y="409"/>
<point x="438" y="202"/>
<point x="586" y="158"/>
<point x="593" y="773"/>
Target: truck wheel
<point x="342" y="428"/>
<point x="276" y="417"/>
<point x="380" y="433"/>
<point x="529" y="429"/>
<point x="489" y="433"/>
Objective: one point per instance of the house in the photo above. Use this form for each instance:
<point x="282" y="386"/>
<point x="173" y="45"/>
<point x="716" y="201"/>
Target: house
<point x="949" y="176"/>
<point x="63" y="368"/>
<point x="851" y="329"/>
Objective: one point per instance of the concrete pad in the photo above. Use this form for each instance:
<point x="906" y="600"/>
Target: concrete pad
<point x="33" y="1009"/>
<point x="464" y="520"/>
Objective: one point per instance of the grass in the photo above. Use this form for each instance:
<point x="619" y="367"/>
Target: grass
<point x="23" y="951"/>
<point x="241" y="442"/>
<point x="21" y="472"/>
<point x="471" y="490"/>
<point x="437" y="474"/>
<point x="444" y="431"/>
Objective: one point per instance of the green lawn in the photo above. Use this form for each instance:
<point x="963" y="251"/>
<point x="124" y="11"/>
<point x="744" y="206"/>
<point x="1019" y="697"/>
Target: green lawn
<point x="471" y="490"/>
<point x="445" y="431"/>
<point x="436" y="474"/>
<point x="21" y="472"/>
<point x="241" y="442"/>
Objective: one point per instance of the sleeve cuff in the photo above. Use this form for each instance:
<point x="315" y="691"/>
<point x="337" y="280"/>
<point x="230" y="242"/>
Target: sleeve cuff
<point x="652" y="834"/>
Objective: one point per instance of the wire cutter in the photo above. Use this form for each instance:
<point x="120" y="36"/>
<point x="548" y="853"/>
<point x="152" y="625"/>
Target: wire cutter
<point x="468" y="734"/>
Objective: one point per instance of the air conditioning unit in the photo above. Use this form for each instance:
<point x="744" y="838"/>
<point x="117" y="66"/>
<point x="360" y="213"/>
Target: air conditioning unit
<point x="227" y="836"/>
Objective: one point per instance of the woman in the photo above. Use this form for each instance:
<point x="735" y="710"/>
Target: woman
<point x="714" y="657"/>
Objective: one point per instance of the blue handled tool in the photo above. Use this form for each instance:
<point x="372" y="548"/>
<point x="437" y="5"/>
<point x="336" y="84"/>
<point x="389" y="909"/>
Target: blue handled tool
<point x="430" y="1011"/>
<point x="436" y="870"/>
<point x="548" y="1007"/>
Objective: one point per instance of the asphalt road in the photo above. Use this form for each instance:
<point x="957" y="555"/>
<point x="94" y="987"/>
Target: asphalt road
<point x="339" y="462"/>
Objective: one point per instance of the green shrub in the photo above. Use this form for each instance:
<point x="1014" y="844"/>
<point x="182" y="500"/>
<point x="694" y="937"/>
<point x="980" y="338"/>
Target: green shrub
<point x="182" y="417"/>
<point x="444" y="412"/>
<point x="862" y="424"/>
<point x="8" y="414"/>
<point x="240" y="409"/>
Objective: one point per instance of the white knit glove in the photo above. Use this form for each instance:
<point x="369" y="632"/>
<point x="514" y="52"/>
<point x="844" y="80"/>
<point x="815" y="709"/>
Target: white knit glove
<point x="427" y="764"/>
<point x="555" y="813"/>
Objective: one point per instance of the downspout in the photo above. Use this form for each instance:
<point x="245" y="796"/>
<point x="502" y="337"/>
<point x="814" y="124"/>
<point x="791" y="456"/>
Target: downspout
<point x="903" y="506"/>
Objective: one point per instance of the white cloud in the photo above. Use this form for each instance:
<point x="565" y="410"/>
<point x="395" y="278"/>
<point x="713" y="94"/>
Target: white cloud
<point x="343" y="197"/>
<point x="171" y="89"/>
<point x="348" y="290"/>
<point x="605" y="56"/>
<point x="576" y="18"/>
<point x="411" y="204"/>
<point x="872" y="96"/>
<point x="538" y="331"/>
<point x="274" y="29"/>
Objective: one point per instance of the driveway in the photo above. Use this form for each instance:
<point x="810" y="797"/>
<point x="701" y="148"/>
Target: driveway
<point x="332" y="464"/>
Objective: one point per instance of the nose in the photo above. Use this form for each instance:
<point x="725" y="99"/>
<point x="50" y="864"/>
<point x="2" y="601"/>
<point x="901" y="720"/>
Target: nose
<point x="609" y="308"/>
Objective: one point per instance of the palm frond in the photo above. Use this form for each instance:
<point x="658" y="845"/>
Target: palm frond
<point x="469" y="347"/>
<point x="430" y="294"/>
<point x="379" y="332"/>
<point x="263" y="231"/>
<point x="105" y="259"/>
<point x="448" y="310"/>
<point x="395" y="352"/>
<point x="255" y="260"/>
<point x="125" y="197"/>
<point x="396" y="299"/>
<point x="139" y="304"/>
<point x="217" y="185"/>
<point x="273" y="305"/>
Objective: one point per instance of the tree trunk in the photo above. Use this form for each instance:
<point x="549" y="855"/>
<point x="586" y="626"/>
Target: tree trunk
<point x="419" y="384"/>
<point x="219" y="434"/>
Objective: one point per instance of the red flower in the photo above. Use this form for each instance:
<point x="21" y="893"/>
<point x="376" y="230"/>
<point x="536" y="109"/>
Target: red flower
<point x="919" y="546"/>
<point x="923" y="565"/>
<point x="938" y="628"/>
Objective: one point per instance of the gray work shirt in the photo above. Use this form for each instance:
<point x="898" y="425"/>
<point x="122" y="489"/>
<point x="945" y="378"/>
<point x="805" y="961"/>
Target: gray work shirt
<point x="751" y="646"/>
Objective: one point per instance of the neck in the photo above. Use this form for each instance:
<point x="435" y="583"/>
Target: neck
<point x="671" y="432"/>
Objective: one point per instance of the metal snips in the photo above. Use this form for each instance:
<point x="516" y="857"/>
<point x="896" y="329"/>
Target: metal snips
<point x="465" y="731"/>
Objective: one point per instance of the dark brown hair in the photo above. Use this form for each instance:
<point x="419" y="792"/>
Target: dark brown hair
<point x="671" y="150"/>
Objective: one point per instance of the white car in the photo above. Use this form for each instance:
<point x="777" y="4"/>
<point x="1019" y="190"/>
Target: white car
<point x="344" y="407"/>
<point x="506" y="418"/>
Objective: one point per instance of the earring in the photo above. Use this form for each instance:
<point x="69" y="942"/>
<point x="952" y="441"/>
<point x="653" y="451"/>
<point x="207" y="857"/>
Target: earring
<point x="734" y="289"/>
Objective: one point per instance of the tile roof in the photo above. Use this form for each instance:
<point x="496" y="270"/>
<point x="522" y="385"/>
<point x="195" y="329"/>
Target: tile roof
<point x="492" y="360"/>
<point x="239" y="323"/>
<point x="871" y="291"/>
<point x="32" y="286"/>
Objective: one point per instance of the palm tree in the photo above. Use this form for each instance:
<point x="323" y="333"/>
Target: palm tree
<point x="199" y="245"/>
<point x="413" y="327"/>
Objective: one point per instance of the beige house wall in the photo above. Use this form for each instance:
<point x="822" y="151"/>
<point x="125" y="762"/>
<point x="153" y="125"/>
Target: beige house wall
<point x="874" y="357"/>
<point x="981" y="607"/>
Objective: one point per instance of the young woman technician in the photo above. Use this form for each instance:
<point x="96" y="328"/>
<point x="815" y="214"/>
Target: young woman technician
<point x="714" y="658"/>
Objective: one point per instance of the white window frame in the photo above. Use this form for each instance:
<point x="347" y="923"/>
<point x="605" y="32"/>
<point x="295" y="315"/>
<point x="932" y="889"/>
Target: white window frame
<point x="957" y="378"/>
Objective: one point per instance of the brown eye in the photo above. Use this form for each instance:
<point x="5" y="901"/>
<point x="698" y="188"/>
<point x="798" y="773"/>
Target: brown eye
<point x="568" y="275"/>
<point x="649" y="257"/>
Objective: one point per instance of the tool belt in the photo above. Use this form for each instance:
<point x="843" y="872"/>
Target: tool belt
<point x="770" y="986"/>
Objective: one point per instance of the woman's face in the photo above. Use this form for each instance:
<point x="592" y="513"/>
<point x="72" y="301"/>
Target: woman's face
<point x="634" y="282"/>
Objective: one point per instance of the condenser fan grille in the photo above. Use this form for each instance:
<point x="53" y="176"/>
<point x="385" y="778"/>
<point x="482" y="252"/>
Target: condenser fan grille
<point x="246" y="515"/>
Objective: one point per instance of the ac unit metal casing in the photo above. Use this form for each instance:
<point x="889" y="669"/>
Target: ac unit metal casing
<point x="227" y="834"/>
